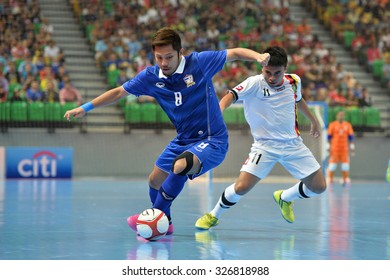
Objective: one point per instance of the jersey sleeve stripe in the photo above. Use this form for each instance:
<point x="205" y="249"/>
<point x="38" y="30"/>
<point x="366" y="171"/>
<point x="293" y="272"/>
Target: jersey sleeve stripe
<point x="234" y="94"/>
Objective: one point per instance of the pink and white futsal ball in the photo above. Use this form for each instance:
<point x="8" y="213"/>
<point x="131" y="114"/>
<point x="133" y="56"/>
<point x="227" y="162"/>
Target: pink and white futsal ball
<point x="152" y="224"/>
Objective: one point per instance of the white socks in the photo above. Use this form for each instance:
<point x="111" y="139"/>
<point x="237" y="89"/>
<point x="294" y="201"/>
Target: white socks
<point x="299" y="190"/>
<point x="226" y="200"/>
<point x="230" y="198"/>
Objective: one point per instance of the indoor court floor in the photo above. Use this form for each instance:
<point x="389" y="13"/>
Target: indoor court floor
<point x="85" y="219"/>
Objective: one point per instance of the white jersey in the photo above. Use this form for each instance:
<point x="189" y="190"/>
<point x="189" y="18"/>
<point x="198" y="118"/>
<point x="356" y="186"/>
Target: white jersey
<point x="271" y="111"/>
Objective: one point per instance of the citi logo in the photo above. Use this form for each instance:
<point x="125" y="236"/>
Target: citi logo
<point x="42" y="164"/>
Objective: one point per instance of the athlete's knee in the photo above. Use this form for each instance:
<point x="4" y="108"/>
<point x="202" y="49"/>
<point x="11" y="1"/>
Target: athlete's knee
<point x="316" y="189"/>
<point x="317" y="183"/>
<point x="156" y="179"/>
<point x="154" y="182"/>
<point x="321" y="187"/>
<point x="183" y="163"/>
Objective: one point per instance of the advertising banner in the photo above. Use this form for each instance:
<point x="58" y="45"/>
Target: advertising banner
<point x="38" y="162"/>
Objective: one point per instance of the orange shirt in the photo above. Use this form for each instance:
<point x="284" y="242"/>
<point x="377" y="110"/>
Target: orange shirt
<point x="339" y="133"/>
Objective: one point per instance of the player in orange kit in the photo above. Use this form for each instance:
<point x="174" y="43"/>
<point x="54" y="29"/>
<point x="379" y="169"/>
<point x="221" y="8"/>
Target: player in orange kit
<point x="341" y="139"/>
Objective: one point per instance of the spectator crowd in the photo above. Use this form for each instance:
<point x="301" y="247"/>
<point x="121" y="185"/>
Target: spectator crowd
<point x="32" y="66"/>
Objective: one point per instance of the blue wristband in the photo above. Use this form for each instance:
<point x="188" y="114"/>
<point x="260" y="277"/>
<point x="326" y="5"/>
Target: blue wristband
<point x="87" y="107"/>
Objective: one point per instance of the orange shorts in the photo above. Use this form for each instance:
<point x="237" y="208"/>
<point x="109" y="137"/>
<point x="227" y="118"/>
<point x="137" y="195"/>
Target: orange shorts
<point x="338" y="157"/>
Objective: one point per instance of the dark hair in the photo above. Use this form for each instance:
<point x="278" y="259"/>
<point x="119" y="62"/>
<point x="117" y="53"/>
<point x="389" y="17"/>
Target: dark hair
<point x="278" y="56"/>
<point x="167" y="36"/>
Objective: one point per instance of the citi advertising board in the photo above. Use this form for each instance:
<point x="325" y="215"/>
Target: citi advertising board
<point x="38" y="162"/>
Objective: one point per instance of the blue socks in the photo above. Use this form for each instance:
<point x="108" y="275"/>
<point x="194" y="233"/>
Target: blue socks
<point x="169" y="190"/>
<point x="152" y="194"/>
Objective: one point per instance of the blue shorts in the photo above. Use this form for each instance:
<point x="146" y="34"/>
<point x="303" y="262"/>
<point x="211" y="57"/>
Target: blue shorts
<point x="210" y="153"/>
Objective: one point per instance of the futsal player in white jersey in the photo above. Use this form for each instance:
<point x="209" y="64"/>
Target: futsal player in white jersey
<point x="271" y="100"/>
<point x="182" y="85"/>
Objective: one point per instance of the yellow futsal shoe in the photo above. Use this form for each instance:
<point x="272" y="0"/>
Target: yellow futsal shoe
<point x="285" y="207"/>
<point x="206" y="221"/>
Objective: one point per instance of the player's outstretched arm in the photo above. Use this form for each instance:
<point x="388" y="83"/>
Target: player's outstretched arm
<point x="315" y="129"/>
<point x="248" y="55"/>
<point x="109" y="97"/>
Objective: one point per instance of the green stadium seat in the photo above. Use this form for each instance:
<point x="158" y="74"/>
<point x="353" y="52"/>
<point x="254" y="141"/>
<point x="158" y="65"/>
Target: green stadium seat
<point x="291" y="67"/>
<point x="348" y="38"/>
<point x="240" y="115"/>
<point x="19" y="111"/>
<point x="302" y="120"/>
<point x="372" y="117"/>
<point x="108" y="6"/>
<point x="243" y="44"/>
<point x="67" y="106"/>
<point x="377" y="69"/>
<point x="230" y="115"/>
<point x="162" y="117"/>
<point x="37" y="27"/>
<point x="251" y="22"/>
<point x="88" y="30"/>
<point x="148" y="113"/>
<point x="133" y="113"/>
<point x="331" y="115"/>
<point x="18" y="62"/>
<point x="356" y="117"/>
<point x="332" y="112"/>
<point x="11" y="88"/>
<point x="112" y="77"/>
<point x="347" y="115"/>
<point x="5" y="111"/>
<point x="53" y="112"/>
<point x="122" y="103"/>
<point x="36" y="111"/>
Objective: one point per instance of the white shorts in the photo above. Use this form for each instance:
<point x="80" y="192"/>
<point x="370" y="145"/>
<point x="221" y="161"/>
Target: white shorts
<point x="293" y="155"/>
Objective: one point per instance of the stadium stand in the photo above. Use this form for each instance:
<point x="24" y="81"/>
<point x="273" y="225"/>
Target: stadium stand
<point x="118" y="34"/>
<point x="363" y="29"/>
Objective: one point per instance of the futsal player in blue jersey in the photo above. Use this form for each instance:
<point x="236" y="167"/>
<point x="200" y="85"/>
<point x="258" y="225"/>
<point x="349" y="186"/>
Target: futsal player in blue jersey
<point x="182" y="85"/>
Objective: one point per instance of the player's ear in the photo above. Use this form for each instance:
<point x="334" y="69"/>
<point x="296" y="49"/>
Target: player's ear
<point x="181" y="52"/>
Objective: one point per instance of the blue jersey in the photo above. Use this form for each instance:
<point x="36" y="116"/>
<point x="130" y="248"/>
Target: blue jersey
<point x="188" y="96"/>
